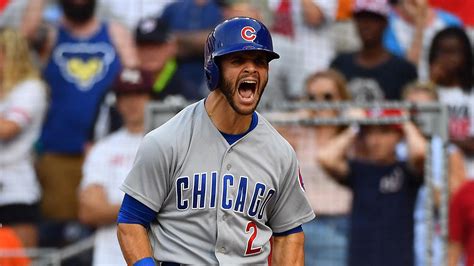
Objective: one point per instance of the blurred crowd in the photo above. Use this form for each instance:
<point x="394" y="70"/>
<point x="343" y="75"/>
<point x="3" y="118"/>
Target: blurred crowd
<point x="76" y="76"/>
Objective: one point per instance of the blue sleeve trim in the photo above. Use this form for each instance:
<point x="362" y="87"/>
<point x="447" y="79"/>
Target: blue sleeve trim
<point x="148" y="261"/>
<point x="289" y="232"/>
<point x="134" y="212"/>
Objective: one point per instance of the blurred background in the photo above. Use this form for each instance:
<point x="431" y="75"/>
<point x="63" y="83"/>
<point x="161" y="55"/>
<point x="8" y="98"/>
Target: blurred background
<point x="81" y="82"/>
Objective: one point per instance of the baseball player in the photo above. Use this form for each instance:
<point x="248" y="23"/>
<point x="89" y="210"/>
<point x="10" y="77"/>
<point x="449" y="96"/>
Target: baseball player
<point x="216" y="182"/>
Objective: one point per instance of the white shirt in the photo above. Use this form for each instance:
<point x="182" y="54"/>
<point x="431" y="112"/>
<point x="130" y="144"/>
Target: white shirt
<point x="107" y="164"/>
<point x="461" y="118"/>
<point x="26" y="106"/>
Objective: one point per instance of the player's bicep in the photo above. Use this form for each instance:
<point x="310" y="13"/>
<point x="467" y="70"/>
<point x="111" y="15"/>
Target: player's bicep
<point x="148" y="181"/>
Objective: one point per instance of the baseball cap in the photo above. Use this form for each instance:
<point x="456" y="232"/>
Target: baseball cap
<point x="379" y="7"/>
<point x="133" y="81"/>
<point x="152" y="30"/>
<point x="385" y="113"/>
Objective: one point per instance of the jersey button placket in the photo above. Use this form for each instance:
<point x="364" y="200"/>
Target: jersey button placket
<point x="222" y="250"/>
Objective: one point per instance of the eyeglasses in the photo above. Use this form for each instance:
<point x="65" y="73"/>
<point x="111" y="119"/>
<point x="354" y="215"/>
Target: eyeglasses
<point x="326" y="97"/>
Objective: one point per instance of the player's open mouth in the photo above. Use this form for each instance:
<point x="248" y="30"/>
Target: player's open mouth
<point x="247" y="89"/>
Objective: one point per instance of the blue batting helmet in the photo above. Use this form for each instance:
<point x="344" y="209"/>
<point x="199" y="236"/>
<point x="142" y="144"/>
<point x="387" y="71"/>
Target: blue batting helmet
<point x="235" y="35"/>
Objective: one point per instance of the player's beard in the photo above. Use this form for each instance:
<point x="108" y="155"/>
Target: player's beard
<point x="226" y="89"/>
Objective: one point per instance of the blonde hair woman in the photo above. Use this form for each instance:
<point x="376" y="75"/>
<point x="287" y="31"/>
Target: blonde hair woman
<point x="325" y="237"/>
<point x="22" y="107"/>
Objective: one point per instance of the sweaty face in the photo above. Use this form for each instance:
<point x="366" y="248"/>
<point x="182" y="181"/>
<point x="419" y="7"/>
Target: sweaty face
<point x="244" y="76"/>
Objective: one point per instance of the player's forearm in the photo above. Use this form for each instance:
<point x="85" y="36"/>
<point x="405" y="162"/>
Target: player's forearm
<point x="133" y="240"/>
<point x="288" y="250"/>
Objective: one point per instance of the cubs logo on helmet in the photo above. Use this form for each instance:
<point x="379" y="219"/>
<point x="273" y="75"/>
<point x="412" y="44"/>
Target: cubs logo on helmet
<point x="235" y="35"/>
<point x="248" y="33"/>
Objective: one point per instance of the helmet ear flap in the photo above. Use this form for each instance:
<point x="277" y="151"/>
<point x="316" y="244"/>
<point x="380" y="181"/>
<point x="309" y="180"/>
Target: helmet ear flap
<point x="212" y="75"/>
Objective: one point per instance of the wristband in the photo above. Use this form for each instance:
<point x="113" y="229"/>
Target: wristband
<point x="148" y="261"/>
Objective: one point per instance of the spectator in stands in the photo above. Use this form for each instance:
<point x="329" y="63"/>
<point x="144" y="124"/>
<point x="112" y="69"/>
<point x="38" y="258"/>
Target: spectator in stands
<point x="412" y="25"/>
<point x="109" y="162"/>
<point x="81" y="56"/>
<point x="384" y="189"/>
<point x="456" y="173"/>
<point x="157" y="51"/>
<point x="23" y="103"/>
<point x="373" y="72"/>
<point x="461" y="231"/>
<point x="130" y="12"/>
<point x="240" y="8"/>
<point x="326" y="238"/>
<point x="451" y="69"/>
<point x="190" y="22"/>
<point x="301" y="33"/>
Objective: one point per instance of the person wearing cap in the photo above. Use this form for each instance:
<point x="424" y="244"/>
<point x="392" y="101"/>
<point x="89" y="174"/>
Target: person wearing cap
<point x="108" y="163"/>
<point x="384" y="188"/>
<point x="373" y="73"/>
<point x="157" y="51"/>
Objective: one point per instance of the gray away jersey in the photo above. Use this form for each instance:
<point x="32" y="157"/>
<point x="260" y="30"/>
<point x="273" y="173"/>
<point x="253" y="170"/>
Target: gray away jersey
<point x="216" y="203"/>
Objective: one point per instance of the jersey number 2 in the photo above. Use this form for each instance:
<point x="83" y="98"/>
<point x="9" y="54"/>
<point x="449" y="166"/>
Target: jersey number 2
<point x="249" y="251"/>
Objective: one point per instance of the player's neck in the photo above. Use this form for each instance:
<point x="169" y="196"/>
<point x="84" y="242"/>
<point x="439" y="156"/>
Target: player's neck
<point x="224" y="118"/>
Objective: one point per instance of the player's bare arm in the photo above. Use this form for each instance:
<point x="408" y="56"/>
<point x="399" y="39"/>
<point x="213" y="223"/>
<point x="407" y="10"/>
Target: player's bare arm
<point x="288" y="250"/>
<point x="134" y="242"/>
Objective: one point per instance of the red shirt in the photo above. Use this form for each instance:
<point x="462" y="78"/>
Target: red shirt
<point x="461" y="8"/>
<point x="461" y="220"/>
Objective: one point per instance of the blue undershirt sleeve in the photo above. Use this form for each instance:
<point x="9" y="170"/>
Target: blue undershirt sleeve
<point x="289" y="232"/>
<point x="134" y="212"/>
